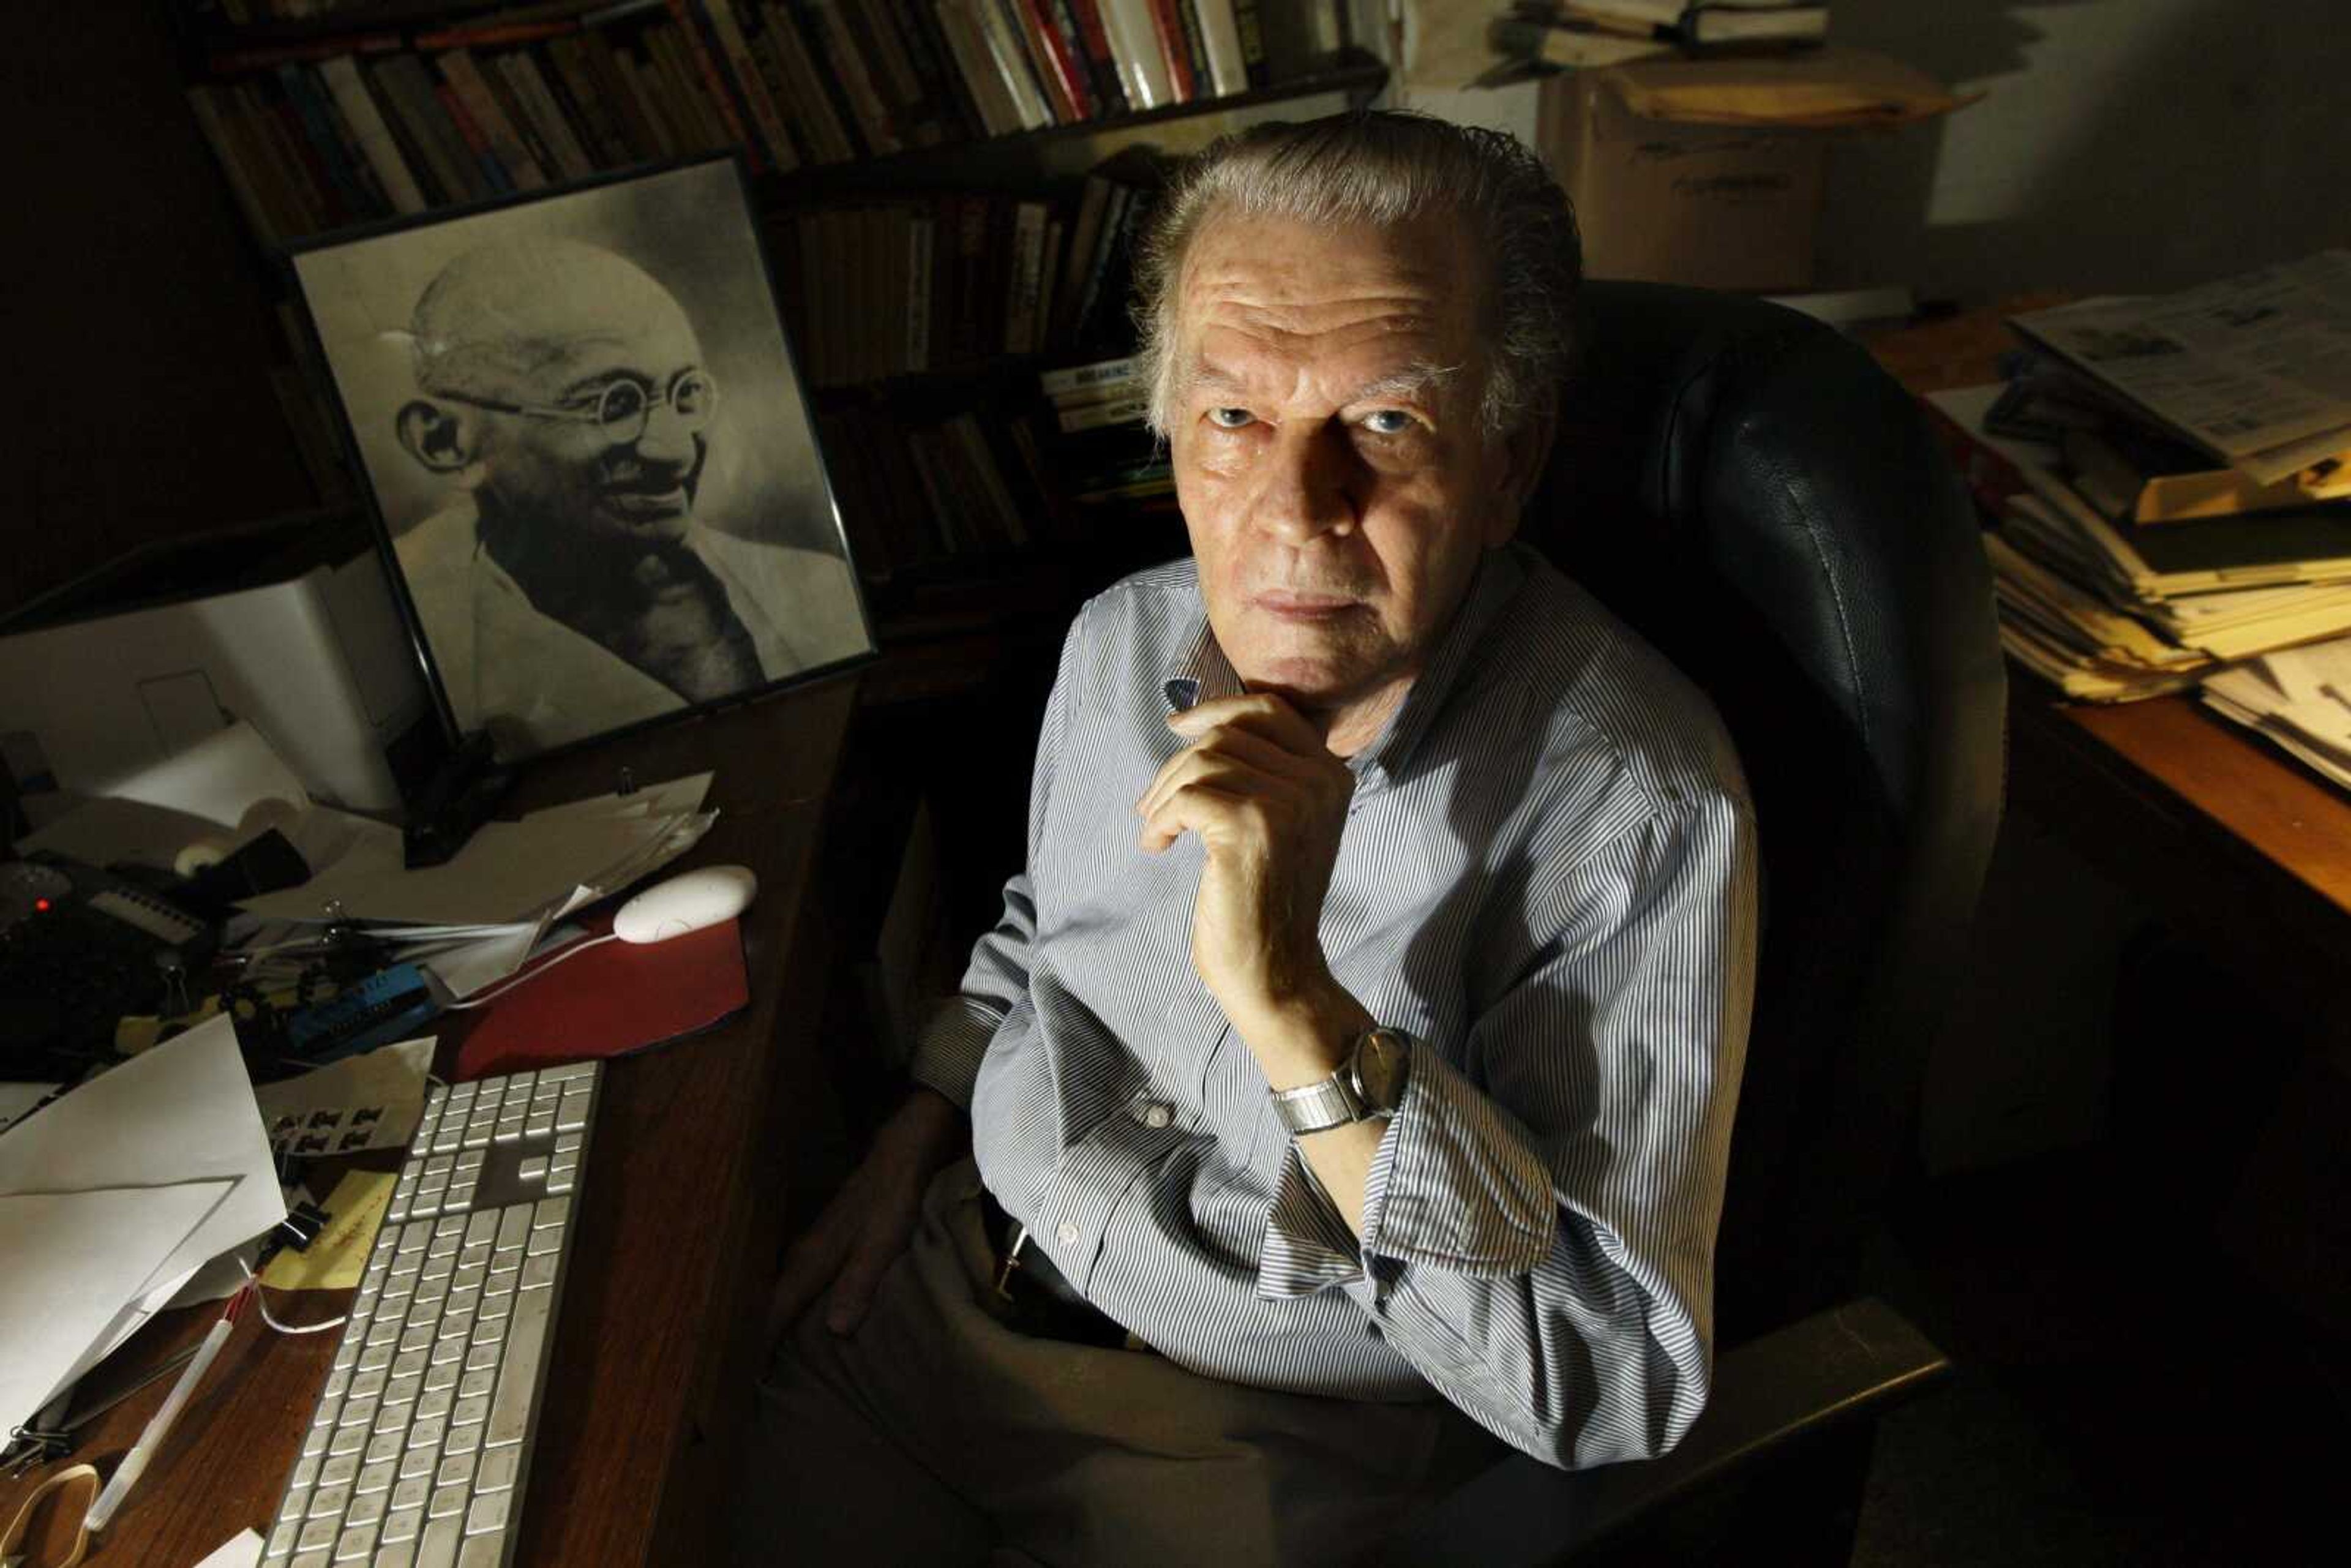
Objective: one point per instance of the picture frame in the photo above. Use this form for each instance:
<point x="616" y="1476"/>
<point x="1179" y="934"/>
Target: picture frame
<point x="594" y="473"/>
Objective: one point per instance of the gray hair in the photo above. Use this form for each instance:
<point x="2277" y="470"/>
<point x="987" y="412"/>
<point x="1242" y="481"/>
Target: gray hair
<point x="1383" y="169"/>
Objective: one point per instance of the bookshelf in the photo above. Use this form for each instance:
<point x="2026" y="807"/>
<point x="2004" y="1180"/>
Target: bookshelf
<point x="276" y="97"/>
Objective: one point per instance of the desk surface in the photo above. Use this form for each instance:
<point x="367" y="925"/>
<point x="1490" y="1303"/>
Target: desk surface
<point x="2231" y="837"/>
<point x="680" y="1214"/>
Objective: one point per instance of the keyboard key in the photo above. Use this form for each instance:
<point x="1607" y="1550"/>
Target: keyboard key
<point x="469" y="1412"/>
<point x="437" y="1547"/>
<point x="482" y="1550"/>
<point x="402" y="1524"/>
<point x="340" y="1470"/>
<point x="409" y="1494"/>
<point x="457" y="1470"/>
<point x="366" y="1509"/>
<point x="317" y="1534"/>
<point x="539" y="1271"/>
<point x="499" y="1466"/>
<point x="510" y="1410"/>
<point x="329" y="1502"/>
<point x="447" y="1500"/>
<point x="475" y="1384"/>
<point x="463" y="1440"/>
<point x="488" y="1513"/>
<point x="376" y="1478"/>
<point x="417" y="1464"/>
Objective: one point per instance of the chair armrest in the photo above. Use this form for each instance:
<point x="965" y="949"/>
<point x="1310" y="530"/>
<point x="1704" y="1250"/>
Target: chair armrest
<point x="1849" y="1362"/>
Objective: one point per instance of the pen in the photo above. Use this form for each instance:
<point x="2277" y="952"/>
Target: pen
<point x="160" y="1424"/>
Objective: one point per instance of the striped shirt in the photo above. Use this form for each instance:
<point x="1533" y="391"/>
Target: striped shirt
<point x="1547" y="880"/>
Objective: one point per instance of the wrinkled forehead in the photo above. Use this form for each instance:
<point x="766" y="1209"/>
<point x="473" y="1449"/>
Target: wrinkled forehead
<point x="530" y="322"/>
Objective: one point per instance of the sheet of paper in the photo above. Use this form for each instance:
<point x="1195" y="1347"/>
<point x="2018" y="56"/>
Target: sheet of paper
<point x="337" y="1259"/>
<point x="646" y="801"/>
<point x="108" y="832"/>
<point x="243" y="1551"/>
<point x="74" y="1259"/>
<point x="183" y="1111"/>
<point x="15" y="1099"/>
<point x="231" y="777"/>
<point x="479" y="964"/>
<point x="508" y="871"/>
<point x="370" y="1101"/>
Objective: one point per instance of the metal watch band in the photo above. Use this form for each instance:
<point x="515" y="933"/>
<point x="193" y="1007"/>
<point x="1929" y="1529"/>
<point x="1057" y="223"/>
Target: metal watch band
<point x="1318" y="1107"/>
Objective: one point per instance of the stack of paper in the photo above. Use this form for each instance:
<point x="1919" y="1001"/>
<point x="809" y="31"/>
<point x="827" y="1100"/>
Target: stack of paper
<point x="2301" y="698"/>
<point x="114" y="1195"/>
<point x="2108" y="611"/>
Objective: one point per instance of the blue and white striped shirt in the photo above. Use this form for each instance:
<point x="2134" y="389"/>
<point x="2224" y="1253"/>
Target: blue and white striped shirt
<point x="1547" y="879"/>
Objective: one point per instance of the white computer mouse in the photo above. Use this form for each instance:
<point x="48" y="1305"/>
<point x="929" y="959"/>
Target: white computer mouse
<point x="684" y="904"/>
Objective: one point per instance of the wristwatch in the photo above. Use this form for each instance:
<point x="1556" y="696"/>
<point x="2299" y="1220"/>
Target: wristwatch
<point x="1368" y="1084"/>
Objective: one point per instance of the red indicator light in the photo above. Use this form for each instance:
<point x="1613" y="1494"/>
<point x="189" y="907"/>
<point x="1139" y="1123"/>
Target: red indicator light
<point x="42" y="904"/>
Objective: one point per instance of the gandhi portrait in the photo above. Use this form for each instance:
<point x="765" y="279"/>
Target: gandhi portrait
<point x="572" y="570"/>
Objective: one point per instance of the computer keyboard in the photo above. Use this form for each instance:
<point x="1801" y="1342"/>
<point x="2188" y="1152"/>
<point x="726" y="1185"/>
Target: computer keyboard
<point x="417" y="1453"/>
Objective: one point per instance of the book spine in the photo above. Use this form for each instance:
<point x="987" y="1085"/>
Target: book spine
<point x="1085" y="378"/>
<point x="1221" y="36"/>
<point x="684" y="96"/>
<point x="1003" y="510"/>
<point x="213" y="119"/>
<point x="291" y="161"/>
<point x="750" y="85"/>
<point x="329" y="156"/>
<point x="505" y="145"/>
<point x="1064" y="49"/>
<point x="703" y="59"/>
<point x="945" y="101"/>
<point x="494" y="170"/>
<point x="817" y="110"/>
<point x="536" y="98"/>
<point x="1134" y="40"/>
<point x="1168" y="29"/>
<point x="922" y="234"/>
<point x="1250" y="28"/>
<point x="1098" y="415"/>
<point x="798" y="132"/>
<point x="594" y="101"/>
<point x="1195" y="47"/>
<point x="503" y="90"/>
<point x="1080" y="23"/>
<point x="636" y="77"/>
<point x="830" y="34"/>
<point x="377" y="144"/>
<point x="1101" y="265"/>
<point x="409" y="89"/>
<point x="968" y="43"/>
<point x="1049" y="285"/>
<point x="1007" y="51"/>
<point x="875" y="37"/>
<point x="1028" y="276"/>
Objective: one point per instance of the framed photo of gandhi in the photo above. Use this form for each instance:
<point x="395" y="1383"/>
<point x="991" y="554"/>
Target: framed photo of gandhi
<point x="590" y="456"/>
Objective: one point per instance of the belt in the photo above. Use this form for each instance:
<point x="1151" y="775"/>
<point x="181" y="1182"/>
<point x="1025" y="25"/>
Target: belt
<point x="1041" y="1301"/>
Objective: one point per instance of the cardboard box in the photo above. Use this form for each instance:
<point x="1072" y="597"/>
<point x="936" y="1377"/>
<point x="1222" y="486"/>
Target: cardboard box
<point x="1716" y="206"/>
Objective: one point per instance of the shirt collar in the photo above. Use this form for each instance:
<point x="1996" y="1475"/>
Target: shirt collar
<point x="1205" y="673"/>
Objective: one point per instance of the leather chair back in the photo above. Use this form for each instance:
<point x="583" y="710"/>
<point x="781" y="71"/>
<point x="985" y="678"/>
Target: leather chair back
<point x="1757" y="497"/>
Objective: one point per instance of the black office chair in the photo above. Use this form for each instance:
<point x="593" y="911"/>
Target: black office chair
<point x="1762" y="503"/>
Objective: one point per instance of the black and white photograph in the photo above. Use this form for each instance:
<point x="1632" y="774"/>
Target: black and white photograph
<point x="582" y="432"/>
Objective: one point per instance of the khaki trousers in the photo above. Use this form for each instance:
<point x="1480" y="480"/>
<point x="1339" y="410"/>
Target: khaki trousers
<point x="935" y="1434"/>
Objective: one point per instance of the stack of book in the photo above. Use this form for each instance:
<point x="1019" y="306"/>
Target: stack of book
<point x="2170" y="477"/>
<point x="1103" y="453"/>
<point x="915" y="491"/>
<point x="1594" y="32"/>
<point x="909" y="285"/>
<point x="323" y="131"/>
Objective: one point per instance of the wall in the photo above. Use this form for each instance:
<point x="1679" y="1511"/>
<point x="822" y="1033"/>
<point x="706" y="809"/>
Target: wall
<point x="2122" y="145"/>
<point x="138" y="402"/>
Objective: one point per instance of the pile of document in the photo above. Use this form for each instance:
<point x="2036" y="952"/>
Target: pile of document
<point x="119" y="1198"/>
<point x="2148" y="534"/>
<point x="2300" y="698"/>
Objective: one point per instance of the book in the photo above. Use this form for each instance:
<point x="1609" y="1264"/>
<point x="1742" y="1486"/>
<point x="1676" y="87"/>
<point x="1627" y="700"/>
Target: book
<point x="1125" y="410"/>
<point x="1061" y="61"/>
<point x="409" y="89"/>
<point x="536" y="96"/>
<point x="1168" y="30"/>
<point x="750" y="83"/>
<point x="967" y="42"/>
<point x="812" y="109"/>
<point x="2133" y="480"/>
<point x="1100" y="65"/>
<point x="1220" y="35"/>
<point x="1133" y="40"/>
<point x="1027" y="278"/>
<point x="1250" y="27"/>
<point x="1708" y="24"/>
<point x="464" y="77"/>
<point x="340" y="73"/>
<point x="829" y="29"/>
<point x="1588" y="49"/>
<point x="1007" y="56"/>
<point x="1125" y="370"/>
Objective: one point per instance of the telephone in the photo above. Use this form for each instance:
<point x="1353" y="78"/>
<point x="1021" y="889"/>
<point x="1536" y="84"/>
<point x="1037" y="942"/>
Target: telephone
<point x="80" y="947"/>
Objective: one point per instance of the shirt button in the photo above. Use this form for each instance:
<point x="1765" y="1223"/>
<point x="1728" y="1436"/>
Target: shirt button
<point x="1068" y="1232"/>
<point x="1156" y="1115"/>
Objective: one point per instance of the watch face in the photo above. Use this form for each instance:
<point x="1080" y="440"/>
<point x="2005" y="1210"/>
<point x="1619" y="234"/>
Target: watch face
<point x="1380" y="1063"/>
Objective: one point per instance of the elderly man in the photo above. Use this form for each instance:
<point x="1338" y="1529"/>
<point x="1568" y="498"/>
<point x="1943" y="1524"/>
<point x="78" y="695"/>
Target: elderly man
<point x="570" y="590"/>
<point x="1360" y="1044"/>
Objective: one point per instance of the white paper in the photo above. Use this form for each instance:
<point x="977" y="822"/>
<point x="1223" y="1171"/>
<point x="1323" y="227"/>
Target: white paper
<point x="243" y="1551"/>
<point x="507" y="872"/>
<point x="664" y="799"/>
<point x="74" y="1260"/>
<point x="481" y="963"/>
<point x="371" y="1101"/>
<point x="231" y="778"/>
<point x="109" y="833"/>
<point x="183" y="1111"/>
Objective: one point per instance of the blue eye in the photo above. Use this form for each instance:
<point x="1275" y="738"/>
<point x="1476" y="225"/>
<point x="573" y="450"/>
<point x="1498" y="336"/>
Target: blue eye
<point x="1230" y="418"/>
<point x="1388" y="422"/>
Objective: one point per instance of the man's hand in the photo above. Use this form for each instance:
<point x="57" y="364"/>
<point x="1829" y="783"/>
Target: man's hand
<point x="1270" y="801"/>
<point x="870" y="1220"/>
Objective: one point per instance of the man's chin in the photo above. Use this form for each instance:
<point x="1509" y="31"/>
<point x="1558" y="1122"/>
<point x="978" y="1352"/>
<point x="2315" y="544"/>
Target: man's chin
<point x="646" y="524"/>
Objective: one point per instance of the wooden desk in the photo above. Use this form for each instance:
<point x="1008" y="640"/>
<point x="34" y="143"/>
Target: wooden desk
<point x="680" y="1216"/>
<point x="2233" y="841"/>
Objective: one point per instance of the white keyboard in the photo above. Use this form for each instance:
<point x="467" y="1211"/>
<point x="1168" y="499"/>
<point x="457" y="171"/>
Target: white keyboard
<point x="421" y="1442"/>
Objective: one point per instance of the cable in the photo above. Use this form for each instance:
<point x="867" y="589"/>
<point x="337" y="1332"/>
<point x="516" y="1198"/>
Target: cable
<point x="517" y="981"/>
<point x="253" y="1286"/>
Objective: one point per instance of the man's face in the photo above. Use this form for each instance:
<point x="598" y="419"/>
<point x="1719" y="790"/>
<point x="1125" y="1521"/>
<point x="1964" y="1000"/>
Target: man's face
<point x="1329" y="459"/>
<point x="576" y="474"/>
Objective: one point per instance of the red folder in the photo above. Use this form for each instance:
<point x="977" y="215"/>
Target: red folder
<point x="613" y="999"/>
